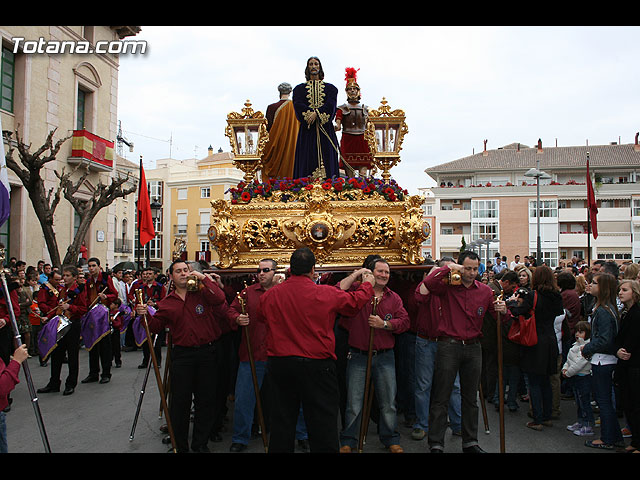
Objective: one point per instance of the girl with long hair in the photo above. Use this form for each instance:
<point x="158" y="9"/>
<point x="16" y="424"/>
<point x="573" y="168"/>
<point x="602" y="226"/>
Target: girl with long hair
<point x="601" y="352"/>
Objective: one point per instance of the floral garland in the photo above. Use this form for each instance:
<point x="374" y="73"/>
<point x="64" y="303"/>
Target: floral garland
<point x="291" y="187"/>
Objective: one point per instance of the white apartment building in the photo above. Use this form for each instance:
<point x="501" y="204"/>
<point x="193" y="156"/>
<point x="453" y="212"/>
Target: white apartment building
<point x="488" y="196"/>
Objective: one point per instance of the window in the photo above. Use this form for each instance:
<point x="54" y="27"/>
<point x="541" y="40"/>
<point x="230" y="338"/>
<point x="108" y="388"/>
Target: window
<point x="484" y="209"/>
<point x="636" y="207"/>
<point x="80" y="112"/>
<point x="154" y="187"/>
<point x="205" y="192"/>
<point x="182" y="194"/>
<point x="550" y="257"/>
<point x="204" y="245"/>
<point x="548" y="208"/>
<point x="182" y="224"/>
<point x="155" y="247"/>
<point x="484" y="231"/>
<point x="446" y="231"/>
<point x="7" y="69"/>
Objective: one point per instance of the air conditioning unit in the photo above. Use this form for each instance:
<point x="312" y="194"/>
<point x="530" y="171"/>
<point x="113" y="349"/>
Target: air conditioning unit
<point x="456" y="202"/>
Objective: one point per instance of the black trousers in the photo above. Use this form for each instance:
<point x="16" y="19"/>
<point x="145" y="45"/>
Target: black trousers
<point x="69" y="345"/>
<point x="194" y="373"/>
<point x="312" y="383"/>
<point x="100" y="356"/>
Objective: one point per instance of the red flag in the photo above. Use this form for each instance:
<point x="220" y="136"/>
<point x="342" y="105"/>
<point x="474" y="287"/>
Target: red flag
<point x="592" y="206"/>
<point x="145" y="220"/>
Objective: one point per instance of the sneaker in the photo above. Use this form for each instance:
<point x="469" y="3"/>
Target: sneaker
<point x="418" y="434"/>
<point x="626" y="433"/>
<point x="574" y="427"/>
<point x="583" y="431"/>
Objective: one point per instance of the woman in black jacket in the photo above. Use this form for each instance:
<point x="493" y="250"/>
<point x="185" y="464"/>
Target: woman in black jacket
<point x="627" y="344"/>
<point x="540" y="361"/>
<point x="601" y="352"/>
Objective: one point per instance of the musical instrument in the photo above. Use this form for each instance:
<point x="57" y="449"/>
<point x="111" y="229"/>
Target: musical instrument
<point x="454" y="278"/>
<point x="193" y="283"/>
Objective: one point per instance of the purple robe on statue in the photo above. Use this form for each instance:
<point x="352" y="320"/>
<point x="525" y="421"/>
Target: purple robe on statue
<point x="317" y="143"/>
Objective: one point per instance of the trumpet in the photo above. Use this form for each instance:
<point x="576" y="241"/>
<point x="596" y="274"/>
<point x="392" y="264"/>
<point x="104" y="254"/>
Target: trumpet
<point x="193" y="283"/>
<point x="454" y="278"/>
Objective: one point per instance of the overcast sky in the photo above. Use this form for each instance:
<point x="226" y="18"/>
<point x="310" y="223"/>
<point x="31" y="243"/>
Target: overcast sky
<point x="457" y="85"/>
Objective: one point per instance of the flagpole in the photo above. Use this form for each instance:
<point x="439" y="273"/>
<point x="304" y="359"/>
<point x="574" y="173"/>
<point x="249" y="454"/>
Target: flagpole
<point x="138" y="215"/>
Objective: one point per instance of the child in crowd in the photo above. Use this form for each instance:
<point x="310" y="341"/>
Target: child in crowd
<point x="578" y="370"/>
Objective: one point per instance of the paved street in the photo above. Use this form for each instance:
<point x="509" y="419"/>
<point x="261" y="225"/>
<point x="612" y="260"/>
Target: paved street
<point x="98" y="418"/>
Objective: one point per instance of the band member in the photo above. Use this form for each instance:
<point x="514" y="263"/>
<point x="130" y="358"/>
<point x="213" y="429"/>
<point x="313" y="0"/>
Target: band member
<point x="70" y="301"/>
<point x="99" y="289"/>
<point x="194" y="332"/>
<point x="249" y="318"/>
<point x="459" y="350"/>
<point x="300" y="317"/>
<point x="152" y="293"/>
<point x="388" y="319"/>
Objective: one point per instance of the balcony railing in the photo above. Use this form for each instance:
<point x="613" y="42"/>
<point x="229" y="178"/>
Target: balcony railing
<point x="202" y="228"/>
<point x="180" y="229"/>
<point x="92" y="150"/>
<point x="123" y="245"/>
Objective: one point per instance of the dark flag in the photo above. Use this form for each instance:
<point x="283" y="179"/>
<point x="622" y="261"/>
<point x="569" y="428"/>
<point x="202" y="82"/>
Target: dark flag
<point x="592" y="206"/>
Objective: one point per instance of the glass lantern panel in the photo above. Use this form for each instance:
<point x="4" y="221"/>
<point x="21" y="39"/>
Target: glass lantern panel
<point x="240" y="139"/>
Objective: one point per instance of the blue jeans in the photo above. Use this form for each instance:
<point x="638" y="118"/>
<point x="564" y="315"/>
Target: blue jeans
<point x="581" y="385"/>
<point x="511" y="379"/>
<point x="405" y="373"/>
<point x="541" y="397"/>
<point x="245" y="401"/>
<point x="3" y="433"/>
<point x="425" y="361"/>
<point x="383" y="379"/>
<point x="602" y="376"/>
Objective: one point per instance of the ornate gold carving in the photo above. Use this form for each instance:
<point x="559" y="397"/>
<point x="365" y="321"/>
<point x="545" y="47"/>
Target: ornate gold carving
<point x="251" y="128"/>
<point x="372" y="231"/>
<point x="265" y="234"/>
<point x="410" y="230"/>
<point x="223" y="234"/>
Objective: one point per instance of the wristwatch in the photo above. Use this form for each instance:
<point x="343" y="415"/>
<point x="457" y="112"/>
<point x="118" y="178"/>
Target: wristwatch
<point x="386" y="327"/>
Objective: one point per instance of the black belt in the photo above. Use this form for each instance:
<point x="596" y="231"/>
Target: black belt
<point x="204" y="345"/>
<point x="366" y="352"/>
<point x="470" y="341"/>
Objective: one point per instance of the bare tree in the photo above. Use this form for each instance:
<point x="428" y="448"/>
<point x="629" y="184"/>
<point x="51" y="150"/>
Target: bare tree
<point x="45" y="202"/>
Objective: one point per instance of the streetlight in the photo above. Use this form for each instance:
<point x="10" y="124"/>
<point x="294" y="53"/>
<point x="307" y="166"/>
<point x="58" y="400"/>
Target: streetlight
<point x="156" y="213"/>
<point x="537" y="174"/>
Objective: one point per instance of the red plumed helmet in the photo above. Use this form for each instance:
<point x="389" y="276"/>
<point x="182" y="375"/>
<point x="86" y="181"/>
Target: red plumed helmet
<point x="351" y="75"/>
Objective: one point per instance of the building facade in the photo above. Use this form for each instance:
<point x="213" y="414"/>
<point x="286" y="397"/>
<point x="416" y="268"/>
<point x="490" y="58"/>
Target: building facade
<point x="75" y="94"/>
<point x="487" y="196"/>
<point x="183" y="191"/>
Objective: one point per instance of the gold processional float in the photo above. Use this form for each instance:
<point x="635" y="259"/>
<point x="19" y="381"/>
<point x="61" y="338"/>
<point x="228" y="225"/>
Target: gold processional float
<point x="342" y="220"/>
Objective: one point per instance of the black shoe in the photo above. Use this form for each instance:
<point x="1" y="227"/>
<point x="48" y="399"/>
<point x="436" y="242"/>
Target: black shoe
<point x="105" y="379"/>
<point x="473" y="449"/>
<point x="68" y="391"/>
<point x="166" y="440"/>
<point x="237" y="447"/>
<point x="48" y="389"/>
<point x="142" y="365"/>
<point x="201" y="449"/>
<point x="119" y="364"/>
<point x="89" y="379"/>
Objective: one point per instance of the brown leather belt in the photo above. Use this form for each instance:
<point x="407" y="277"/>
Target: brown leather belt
<point x="427" y="337"/>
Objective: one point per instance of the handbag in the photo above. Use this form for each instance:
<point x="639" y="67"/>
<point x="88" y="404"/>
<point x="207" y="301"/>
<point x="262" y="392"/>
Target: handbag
<point x="523" y="330"/>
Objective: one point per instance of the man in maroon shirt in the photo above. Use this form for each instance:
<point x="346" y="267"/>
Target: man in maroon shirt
<point x="195" y="331"/>
<point x="389" y="319"/>
<point x="73" y="305"/>
<point x="463" y="308"/>
<point x="99" y="289"/>
<point x="249" y="318"/>
<point x="152" y="293"/>
<point x="300" y="317"/>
